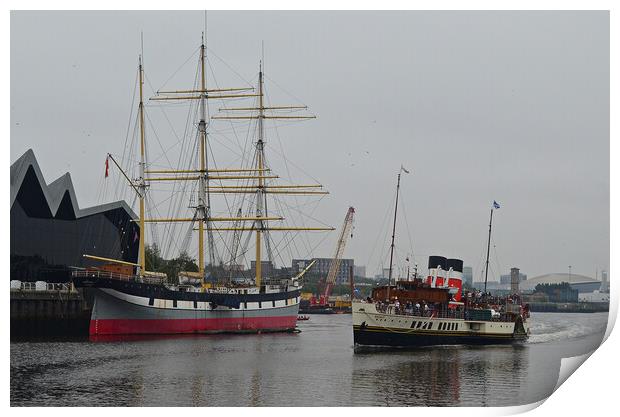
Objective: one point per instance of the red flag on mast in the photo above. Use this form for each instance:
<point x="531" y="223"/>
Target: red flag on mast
<point x="107" y="165"/>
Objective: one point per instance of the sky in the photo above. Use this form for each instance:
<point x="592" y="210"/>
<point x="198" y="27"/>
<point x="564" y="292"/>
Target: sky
<point x="478" y="106"/>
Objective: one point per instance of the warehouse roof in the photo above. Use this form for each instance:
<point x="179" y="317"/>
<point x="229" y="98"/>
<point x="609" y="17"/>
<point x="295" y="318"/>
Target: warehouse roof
<point x="556" y="278"/>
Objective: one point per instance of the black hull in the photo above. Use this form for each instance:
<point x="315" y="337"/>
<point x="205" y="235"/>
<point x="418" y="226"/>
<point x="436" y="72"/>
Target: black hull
<point x="387" y="338"/>
<point x="162" y="292"/>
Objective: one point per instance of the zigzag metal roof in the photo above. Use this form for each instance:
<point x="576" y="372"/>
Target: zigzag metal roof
<point x="55" y="191"/>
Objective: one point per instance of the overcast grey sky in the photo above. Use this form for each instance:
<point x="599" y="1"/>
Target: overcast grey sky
<point x="480" y="106"/>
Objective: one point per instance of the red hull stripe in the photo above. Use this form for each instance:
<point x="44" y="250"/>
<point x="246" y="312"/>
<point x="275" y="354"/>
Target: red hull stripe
<point x="176" y="326"/>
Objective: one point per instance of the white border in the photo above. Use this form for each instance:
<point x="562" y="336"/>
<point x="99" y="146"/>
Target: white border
<point x="589" y="392"/>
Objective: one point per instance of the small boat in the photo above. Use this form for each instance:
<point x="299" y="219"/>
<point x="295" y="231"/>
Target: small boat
<point x="302" y="318"/>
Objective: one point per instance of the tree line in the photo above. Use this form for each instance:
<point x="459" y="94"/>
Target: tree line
<point x="171" y="267"/>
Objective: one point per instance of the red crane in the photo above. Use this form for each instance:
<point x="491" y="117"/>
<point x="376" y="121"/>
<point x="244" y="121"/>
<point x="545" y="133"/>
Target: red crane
<point x="335" y="263"/>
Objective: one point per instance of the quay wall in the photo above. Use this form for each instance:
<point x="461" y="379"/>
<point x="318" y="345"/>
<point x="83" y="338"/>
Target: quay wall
<point x="50" y="313"/>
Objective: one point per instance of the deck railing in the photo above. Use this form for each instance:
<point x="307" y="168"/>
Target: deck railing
<point x="117" y="276"/>
<point x="47" y="287"/>
<point x="276" y="282"/>
<point x="449" y="314"/>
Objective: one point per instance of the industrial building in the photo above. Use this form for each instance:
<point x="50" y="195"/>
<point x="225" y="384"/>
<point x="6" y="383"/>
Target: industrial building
<point x="50" y="233"/>
<point x="581" y="283"/>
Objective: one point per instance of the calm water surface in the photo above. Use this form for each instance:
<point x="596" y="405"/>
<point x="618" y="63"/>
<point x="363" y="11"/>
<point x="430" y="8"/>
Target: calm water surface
<point x="316" y="367"/>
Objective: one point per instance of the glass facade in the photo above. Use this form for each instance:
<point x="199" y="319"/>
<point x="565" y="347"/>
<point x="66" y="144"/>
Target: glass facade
<point x="44" y="246"/>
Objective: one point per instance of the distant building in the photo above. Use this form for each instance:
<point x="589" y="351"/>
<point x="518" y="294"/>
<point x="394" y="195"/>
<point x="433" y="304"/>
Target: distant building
<point x="233" y="267"/>
<point x="397" y="273"/>
<point x="267" y="269"/>
<point x="468" y="275"/>
<point x="515" y="276"/>
<point x="594" y="297"/>
<point x="383" y="274"/>
<point x="507" y="278"/>
<point x="321" y="267"/>
<point x="604" y="281"/>
<point x="581" y="283"/>
<point x="359" y="271"/>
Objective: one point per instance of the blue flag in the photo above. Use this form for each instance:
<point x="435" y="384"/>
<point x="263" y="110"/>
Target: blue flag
<point x="495" y="205"/>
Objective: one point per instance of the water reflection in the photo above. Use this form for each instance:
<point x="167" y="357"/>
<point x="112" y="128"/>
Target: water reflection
<point x="436" y="376"/>
<point x="315" y="367"/>
<point x="255" y="390"/>
<point x="137" y="386"/>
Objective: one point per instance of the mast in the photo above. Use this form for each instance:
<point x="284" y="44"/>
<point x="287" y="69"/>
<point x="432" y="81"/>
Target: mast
<point x="201" y="212"/>
<point x="486" y="274"/>
<point x="141" y="183"/>
<point x="393" y="234"/>
<point x="260" y="167"/>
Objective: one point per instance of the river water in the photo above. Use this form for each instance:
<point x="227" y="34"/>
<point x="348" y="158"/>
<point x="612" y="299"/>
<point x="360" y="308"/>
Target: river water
<point x="315" y="367"/>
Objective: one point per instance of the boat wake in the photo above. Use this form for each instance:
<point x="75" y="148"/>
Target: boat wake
<point x="553" y="327"/>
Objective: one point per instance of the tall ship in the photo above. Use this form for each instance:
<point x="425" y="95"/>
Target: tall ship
<point x="218" y="296"/>
<point x="434" y="310"/>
